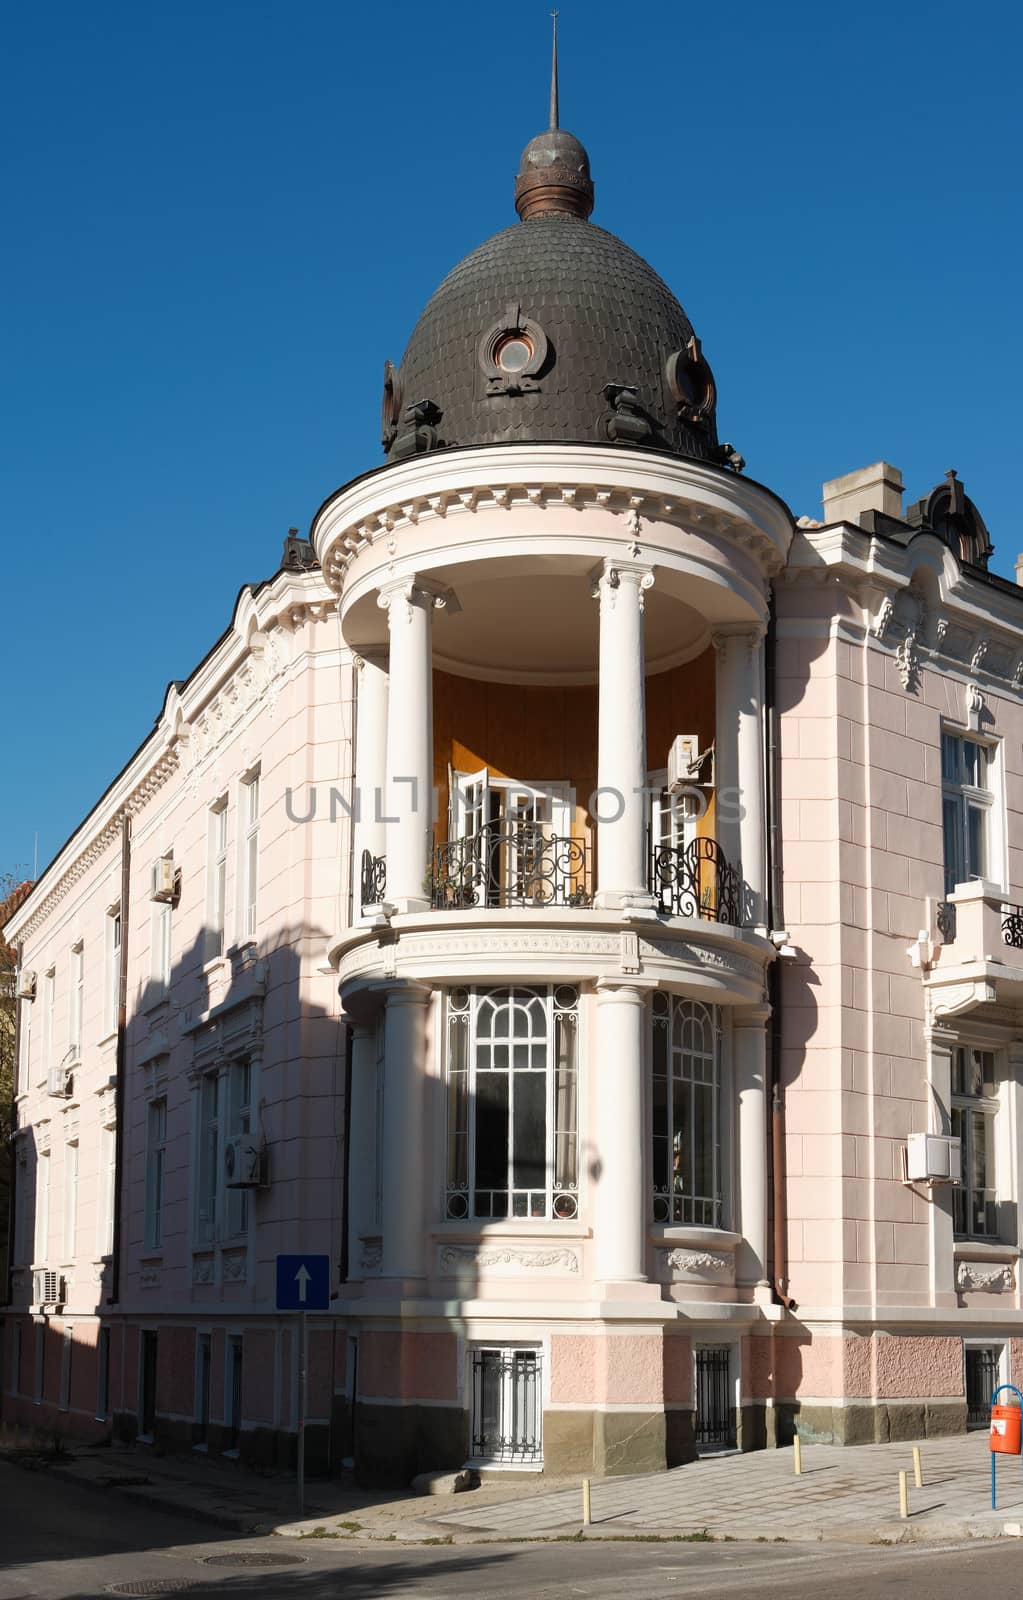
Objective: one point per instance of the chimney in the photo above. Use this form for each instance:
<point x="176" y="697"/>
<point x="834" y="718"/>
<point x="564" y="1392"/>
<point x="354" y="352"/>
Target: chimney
<point x="876" y="488"/>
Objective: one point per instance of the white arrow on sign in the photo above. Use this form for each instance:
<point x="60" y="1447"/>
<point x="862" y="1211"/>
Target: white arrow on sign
<point x="302" y="1277"/>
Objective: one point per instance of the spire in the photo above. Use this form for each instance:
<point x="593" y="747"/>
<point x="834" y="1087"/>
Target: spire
<point x="554" y="73"/>
<point x="554" y="174"/>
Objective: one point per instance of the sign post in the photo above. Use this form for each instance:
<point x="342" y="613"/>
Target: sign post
<point x="303" y="1285"/>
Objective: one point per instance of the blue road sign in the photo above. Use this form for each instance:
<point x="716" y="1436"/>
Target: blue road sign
<point x="303" y="1283"/>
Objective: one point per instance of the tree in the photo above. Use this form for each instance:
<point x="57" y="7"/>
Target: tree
<point x="12" y="893"/>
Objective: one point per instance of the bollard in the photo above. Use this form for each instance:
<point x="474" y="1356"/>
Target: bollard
<point x="918" y="1471"/>
<point x="797" y="1455"/>
<point x="586" y="1502"/>
<point x="903" y="1495"/>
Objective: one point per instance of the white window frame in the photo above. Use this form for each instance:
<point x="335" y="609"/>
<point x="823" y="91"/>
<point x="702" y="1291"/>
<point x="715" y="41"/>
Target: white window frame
<point x="160" y="950"/>
<point x="156" y="1166"/>
<point x="249" y="816"/>
<point x="107" y="1190"/>
<point x="526" y="1454"/>
<point x="209" y="1155"/>
<point x="114" y="933"/>
<point x="41" y="1242"/>
<point x="237" y="1092"/>
<point x="70" y="1200"/>
<point x="467" y="1047"/>
<point x="76" y="1000"/>
<point x="687" y="1071"/>
<point x="216" y="880"/>
<point x="25" y="1046"/>
<point x="480" y="800"/>
<point x="966" y="1108"/>
<point x="49" y="1024"/>
<point x="968" y="799"/>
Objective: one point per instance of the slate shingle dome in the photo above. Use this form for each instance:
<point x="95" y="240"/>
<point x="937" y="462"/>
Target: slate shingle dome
<point x="552" y="330"/>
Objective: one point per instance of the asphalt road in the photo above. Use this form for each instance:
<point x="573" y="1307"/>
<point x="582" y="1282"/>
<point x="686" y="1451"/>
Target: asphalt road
<point x="61" y="1542"/>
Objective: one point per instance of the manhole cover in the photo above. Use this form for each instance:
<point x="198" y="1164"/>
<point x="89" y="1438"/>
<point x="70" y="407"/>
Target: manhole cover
<point x="152" y="1586"/>
<point x="242" y="1558"/>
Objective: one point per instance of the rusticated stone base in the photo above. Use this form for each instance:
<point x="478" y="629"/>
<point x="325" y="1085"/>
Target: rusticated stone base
<point x="393" y="1444"/>
<point x="872" y="1422"/>
<point x="607" y="1443"/>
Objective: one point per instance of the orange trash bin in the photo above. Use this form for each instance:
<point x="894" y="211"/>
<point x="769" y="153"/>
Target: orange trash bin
<point x="1005" y="1430"/>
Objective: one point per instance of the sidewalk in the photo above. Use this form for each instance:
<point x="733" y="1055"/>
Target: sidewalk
<point x="846" y="1495"/>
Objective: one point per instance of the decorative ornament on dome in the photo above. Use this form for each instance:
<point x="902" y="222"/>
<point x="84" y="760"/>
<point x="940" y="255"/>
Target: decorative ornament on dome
<point x="554" y="173"/>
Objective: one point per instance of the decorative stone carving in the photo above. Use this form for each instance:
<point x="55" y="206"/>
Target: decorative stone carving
<point x="234" y="1267"/>
<point x="974" y="707"/>
<point x="372" y="1255"/>
<point x="456" y="1256"/>
<point x="993" y="1277"/>
<point x="908" y="662"/>
<point x="202" y="1269"/>
<point x="693" y="1261"/>
<point x="149" y="1277"/>
<point x="882" y="621"/>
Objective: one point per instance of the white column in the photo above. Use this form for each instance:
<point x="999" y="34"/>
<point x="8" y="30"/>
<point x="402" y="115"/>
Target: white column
<point x="623" y="804"/>
<point x="620" y="1209"/>
<point x="370" y="761"/>
<point x="749" y="1062"/>
<point x="361" y="1142"/>
<point x="404" y="1134"/>
<point x="408" y="817"/>
<point x="740" y="808"/>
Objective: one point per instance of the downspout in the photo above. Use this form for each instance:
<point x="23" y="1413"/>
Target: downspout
<point x="775" y="921"/>
<point x="345" y="1185"/>
<point x="120" y="1063"/>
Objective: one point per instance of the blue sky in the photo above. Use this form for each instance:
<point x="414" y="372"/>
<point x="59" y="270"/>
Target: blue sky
<point x="222" y="217"/>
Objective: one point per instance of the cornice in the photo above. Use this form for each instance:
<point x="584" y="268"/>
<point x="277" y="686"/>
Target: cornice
<point x="374" y="510"/>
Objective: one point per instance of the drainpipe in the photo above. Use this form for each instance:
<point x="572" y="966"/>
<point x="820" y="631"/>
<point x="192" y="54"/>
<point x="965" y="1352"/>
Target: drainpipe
<point x="775" y="920"/>
<point x="120" y="1063"/>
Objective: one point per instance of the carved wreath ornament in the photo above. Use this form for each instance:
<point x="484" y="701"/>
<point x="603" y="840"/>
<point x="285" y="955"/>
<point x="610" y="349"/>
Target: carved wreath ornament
<point x="694" y="1261"/>
<point x="455" y="1256"/>
<point x="992" y="1279"/>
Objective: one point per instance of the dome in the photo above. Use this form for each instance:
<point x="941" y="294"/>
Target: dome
<point x="553" y="331"/>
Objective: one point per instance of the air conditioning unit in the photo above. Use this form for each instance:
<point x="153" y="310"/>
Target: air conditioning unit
<point x="933" y="1158"/>
<point x="26" y="989"/>
<point x="58" y="1078"/>
<point x="686" y="764"/>
<point x="244" y="1163"/>
<point x="48" y="1287"/>
<point x="163" y="886"/>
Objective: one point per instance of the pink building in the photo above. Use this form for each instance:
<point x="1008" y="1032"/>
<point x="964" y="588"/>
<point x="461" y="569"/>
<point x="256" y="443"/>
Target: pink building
<point x="579" y="901"/>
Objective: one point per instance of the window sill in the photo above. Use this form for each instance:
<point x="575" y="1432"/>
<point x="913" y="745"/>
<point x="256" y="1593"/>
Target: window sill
<point x="107" y="1039"/>
<point x="985" y="1248"/>
<point x="684" y="1233"/>
<point x="536" y="1227"/>
<point x="488" y="1464"/>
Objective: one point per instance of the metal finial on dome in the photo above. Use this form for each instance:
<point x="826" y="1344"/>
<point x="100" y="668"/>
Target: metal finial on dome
<point x="554" y="174"/>
<point x="554" y="72"/>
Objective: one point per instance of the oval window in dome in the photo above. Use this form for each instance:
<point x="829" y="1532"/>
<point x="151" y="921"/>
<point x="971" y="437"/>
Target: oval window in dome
<point x="514" y="353"/>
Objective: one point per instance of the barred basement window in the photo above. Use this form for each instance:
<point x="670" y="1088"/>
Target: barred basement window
<point x="512" y="1103"/>
<point x="506" y="1409"/>
<point x="686" y="1112"/>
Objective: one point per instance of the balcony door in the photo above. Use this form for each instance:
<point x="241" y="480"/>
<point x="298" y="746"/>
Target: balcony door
<point x="511" y="837"/>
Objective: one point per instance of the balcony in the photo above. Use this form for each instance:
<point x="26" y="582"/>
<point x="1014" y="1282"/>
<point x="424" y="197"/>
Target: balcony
<point x="980" y="936"/>
<point x="525" y="865"/>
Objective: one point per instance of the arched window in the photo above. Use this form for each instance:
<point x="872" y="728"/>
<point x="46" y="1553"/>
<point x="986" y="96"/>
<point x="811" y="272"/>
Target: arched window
<point x="687" y="1168"/>
<point x="512" y="1103"/>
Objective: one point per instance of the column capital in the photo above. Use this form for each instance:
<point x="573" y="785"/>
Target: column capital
<point x="608" y="578"/>
<point x="416" y="591"/>
<point x="751" y="1016"/>
<point x="370" y="655"/>
<point x="631" y="991"/>
<point x="733" y="632"/>
<point x="409" y="994"/>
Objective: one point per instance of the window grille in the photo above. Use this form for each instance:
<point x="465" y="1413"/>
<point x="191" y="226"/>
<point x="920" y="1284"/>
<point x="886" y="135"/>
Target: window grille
<point x="715" y="1401"/>
<point x="506" y="1405"/>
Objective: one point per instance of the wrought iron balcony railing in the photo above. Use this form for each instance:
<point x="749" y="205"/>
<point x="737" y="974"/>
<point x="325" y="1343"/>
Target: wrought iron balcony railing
<point x="374" y="879"/>
<point x="696" y="880"/>
<point x="1012" y="926"/>
<point x="511" y="864"/>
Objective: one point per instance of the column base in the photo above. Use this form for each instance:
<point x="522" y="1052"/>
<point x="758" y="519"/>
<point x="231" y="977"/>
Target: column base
<point x="627" y="1289"/>
<point x="636" y="904"/>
